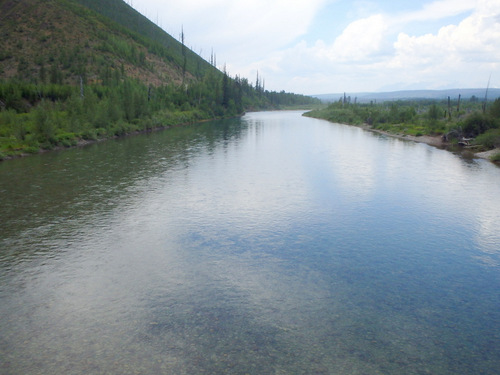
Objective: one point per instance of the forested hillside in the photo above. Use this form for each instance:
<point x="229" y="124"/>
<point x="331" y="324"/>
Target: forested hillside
<point x="88" y="69"/>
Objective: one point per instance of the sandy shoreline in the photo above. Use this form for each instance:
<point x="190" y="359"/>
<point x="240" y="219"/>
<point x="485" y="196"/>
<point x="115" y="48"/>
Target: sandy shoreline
<point x="435" y="141"/>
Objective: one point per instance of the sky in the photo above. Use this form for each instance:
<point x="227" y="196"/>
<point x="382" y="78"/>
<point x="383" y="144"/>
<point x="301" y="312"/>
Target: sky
<point x="332" y="46"/>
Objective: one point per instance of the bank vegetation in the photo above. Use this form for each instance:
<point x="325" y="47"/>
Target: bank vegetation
<point x="469" y="124"/>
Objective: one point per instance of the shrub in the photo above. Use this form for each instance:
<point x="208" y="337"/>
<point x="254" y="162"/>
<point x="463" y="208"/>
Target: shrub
<point x="489" y="139"/>
<point x="89" y="135"/>
<point x="496" y="157"/>
<point x="31" y="150"/>
<point x="495" y="109"/>
<point x="32" y="140"/>
<point x="44" y="123"/>
<point x="434" y="112"/>
<point x="476" y="124"/>
<point x="66" y="139"/>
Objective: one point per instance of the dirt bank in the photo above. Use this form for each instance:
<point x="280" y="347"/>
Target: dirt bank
<point x="435" y="141"/>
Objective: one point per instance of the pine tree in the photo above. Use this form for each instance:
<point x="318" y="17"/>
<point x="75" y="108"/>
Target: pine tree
<point x="225" y="89"/>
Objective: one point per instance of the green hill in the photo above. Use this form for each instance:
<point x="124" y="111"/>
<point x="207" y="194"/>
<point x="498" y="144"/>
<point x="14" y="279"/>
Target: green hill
<point x="159" y="41"/>
<point x="88" y="69"/>
<point x="58" y="41"/>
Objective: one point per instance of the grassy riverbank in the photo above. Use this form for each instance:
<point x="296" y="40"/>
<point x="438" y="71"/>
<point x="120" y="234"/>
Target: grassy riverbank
<point x="61" y="137"/>
<point x="468" y="125"/>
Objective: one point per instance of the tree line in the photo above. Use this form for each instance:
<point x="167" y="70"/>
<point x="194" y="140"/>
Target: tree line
<point x="41" y="115"/>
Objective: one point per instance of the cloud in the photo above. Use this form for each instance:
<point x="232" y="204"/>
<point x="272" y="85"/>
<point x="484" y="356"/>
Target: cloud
<point x="359" y="40"/>
<point x="376" y="51"/>
<point x="441" y="44"/>
<point x="237" y="30"/>
<point x="438" y="10"/>
<point x="474" y="41"/>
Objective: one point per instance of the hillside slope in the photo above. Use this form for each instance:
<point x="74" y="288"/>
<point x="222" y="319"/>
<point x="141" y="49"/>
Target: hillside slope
<point x="58" y="41"/>
<point x="156" y="38"/>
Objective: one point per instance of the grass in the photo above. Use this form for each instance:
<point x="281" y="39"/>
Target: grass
<point x="496" y="158"/>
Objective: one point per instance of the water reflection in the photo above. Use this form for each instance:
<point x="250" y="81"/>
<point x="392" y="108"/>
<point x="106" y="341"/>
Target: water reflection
<point x="270" y="244"/>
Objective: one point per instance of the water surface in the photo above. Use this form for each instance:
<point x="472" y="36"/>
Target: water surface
<point x="270" y="244"/>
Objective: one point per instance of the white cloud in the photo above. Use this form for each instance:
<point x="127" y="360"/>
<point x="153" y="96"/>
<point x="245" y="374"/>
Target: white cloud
<point x="360" y="39"/>
<point x="237" y="30"/>
<point x="376" y="51"/>
<point x="474" y="41"/>
<point x="444" y="43"/>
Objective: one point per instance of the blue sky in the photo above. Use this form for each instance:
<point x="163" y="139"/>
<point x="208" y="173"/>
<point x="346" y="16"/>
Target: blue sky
<point x="332" y="46"/>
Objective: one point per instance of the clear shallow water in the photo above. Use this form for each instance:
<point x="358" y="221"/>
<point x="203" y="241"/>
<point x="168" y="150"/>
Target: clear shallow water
<point x="271" y="244"/>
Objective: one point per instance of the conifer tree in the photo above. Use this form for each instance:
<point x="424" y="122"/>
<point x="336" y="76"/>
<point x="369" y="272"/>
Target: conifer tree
<point x="225" y="89"/>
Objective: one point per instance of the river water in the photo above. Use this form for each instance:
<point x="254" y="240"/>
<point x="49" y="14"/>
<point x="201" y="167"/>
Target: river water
<point x="270" y="244"/>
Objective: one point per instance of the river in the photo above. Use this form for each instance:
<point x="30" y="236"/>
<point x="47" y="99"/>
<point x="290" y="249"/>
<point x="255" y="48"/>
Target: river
<point x="268" y="244"/>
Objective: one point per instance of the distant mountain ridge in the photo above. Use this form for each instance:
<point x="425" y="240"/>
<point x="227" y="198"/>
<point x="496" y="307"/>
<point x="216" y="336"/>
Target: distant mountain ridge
<point x="365" y="97"/>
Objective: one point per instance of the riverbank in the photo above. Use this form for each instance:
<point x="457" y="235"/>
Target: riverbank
<point x="420" y="122"/>
<point x="435" y="141"/>
<point x="83" y="142"/>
